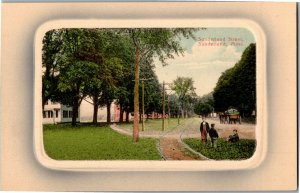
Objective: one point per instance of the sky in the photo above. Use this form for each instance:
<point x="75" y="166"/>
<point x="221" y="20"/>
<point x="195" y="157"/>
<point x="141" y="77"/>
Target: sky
<point x="214" y="51"/>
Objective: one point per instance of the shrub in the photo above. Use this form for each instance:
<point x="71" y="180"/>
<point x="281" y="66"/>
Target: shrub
<point x="243" y="149"/>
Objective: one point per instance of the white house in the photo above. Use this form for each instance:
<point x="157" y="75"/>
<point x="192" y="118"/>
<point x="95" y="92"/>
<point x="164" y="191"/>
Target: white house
<point x="58" y="113"/>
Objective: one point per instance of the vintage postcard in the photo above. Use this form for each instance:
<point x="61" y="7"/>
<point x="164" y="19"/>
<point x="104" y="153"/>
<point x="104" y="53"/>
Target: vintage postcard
<point x="157" y="93"/>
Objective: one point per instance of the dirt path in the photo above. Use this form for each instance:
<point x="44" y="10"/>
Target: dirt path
<point x="170" y="142"/>
<point x="173" y="150"/>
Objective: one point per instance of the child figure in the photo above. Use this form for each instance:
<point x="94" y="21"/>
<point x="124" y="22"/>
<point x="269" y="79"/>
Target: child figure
<point x="235" y="137"/>
<point x="213" y="134"/>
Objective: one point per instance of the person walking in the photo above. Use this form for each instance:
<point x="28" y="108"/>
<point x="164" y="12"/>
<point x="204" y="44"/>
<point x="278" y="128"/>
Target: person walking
<point x="204" y="128"/>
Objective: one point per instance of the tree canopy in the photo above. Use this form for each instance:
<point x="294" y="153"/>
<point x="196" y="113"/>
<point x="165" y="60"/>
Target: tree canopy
<point x="162" y="43"/>
<point x="102" y="64"/>
<point x="204" y="105"/>
<point x="236" y="86"/>
<point x="185" y="90"/>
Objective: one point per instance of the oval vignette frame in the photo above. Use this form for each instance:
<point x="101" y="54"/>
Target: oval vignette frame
<point x="128" y="165"/>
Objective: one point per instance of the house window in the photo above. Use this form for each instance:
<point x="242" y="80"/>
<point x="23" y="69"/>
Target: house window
<point x="50" y="114"/>
<point x="56" y="113"/>
<point x="65" y="114"/>
<point x="70" y="114"/>
<point x="47" y="114"/>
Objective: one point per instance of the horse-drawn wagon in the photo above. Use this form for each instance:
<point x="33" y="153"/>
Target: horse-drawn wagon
<point x="230" y="116"/>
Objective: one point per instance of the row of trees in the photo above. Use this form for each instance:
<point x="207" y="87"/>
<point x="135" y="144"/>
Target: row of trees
<point x="185" y="102"/>
<point x="236" y="86"/>
<point x="84" y="62"/>
<point x="106" y="65"/>
<point x="204" y="105"/>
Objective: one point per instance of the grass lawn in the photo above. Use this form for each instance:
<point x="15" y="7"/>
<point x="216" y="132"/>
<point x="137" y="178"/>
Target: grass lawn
<point x="243" y="149"/>
<point x="87" y="142"/>
<point x="155" y="124"/>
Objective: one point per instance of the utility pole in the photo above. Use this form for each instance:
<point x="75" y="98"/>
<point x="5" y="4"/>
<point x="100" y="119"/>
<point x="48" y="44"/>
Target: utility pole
<point x="169" y="113"/>
<point x="163" y="115"/>
<point x="143" y="100"/>
<point x="143" y="106"/>
<point x="178" y="114"/>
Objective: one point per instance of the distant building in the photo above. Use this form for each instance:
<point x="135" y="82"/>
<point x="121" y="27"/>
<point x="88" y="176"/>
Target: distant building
<point x="213" y="114"/>
<point x="58" y="113"/>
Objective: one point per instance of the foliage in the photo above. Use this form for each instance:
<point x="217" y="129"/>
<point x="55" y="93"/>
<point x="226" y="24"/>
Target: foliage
<point x="78" y="75"/>
<point x="161" y="43"/>
<point x="204" y="105"/>
<point x="109" y="88"/>
<point x="184" y="89"/>
<point x="202" y="109"/>
<point x="86" y="62"/>
<point x="100" y="63"/>
<point x="124" y="93"/>
<point x="243" y="149"/>
<point x="107" y="49"/>
<point x="52" y="46"/>
<point x="152" y="89"/>
<point x="62" y="142"/>
<point x="174" y="105"/>
<point x="81" y="67"/>
<point x="236" y="86"/>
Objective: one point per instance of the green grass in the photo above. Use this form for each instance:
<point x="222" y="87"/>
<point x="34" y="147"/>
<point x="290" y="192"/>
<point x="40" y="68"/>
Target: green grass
<point x="87" y="142"/>
<point x="243" y="149"/>
<point x="155" y="124"/>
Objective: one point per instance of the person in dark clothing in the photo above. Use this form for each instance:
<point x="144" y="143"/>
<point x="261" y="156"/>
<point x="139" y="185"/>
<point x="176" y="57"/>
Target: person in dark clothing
<point x="213" y="134"/>
<point x="204" y="128"/>
<point x="235" y="137"/>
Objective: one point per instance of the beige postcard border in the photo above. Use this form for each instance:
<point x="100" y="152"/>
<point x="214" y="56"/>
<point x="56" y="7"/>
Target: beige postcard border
<point x="20" y="170"/>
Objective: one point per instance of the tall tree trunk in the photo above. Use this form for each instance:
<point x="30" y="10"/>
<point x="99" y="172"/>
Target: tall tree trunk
<point x="127" y="116"/>
<point x="121" y="113"/>
<point x="75" y="110"/>
<point x="136" y="96"/>
<point x="95" y="103"/>
<point x="46" y="77"/>
<point x="75" y="106"/>
<point x="108" y="104"/>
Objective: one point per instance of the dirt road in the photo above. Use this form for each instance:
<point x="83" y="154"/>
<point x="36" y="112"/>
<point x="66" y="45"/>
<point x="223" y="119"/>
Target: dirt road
<point x="170" y="142"/>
